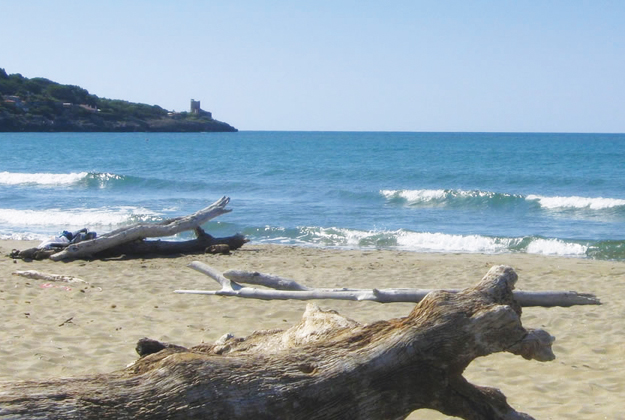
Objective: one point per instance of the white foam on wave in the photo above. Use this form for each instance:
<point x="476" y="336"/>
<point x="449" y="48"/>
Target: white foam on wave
<point x="342" y="236"/>
<point x="406" y="240"/>
<point x="415" y="196"/>
<point x="76" y="217"/>
<point x="556" y="247"/>
<point x="441" y="242"/>
<point x="15" y="178"/>
<point x="597" y="203"/>
<point x="429" y="196"/>
<point x="26" y="236"/>
<point x="428" y="242"/>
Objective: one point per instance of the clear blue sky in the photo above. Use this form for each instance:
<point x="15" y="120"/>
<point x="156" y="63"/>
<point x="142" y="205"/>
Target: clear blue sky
<point x="527" y="66"/>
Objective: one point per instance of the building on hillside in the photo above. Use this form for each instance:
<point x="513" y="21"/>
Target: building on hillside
<point x="195" y="109"/>
<point x="16" y="101"/>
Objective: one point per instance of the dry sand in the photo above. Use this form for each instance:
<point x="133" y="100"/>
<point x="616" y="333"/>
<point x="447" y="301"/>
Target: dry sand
<point x="59" y="329"/>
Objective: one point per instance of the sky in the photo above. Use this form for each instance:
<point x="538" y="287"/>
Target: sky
<point x="338" y="65"/>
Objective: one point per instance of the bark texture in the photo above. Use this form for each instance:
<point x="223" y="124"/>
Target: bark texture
<point x="325" y="367"/>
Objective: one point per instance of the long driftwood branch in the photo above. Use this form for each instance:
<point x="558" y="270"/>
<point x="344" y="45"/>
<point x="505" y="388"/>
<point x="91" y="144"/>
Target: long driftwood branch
<point x="141" y="231"/>
<point x="290" y="289"/>
<point x="325" y="367"/>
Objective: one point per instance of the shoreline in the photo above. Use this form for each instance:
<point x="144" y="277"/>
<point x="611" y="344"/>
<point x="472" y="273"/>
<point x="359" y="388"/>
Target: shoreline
<point x="61" y="329"/>
<point x="603" y="250"/>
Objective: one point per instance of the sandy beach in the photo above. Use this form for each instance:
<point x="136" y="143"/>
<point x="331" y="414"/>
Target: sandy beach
<point x="52" y="329"/>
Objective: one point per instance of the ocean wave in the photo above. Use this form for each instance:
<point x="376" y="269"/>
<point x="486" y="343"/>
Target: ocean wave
<point x="61" y="218"/>
<point x="16" y="178"/>
<point x="24" y="236"/>
<point x="415" y="196"/>
<point x="50" y="179"/>
<point x="95" y="180"/>
<point x="441" y="242"/>
<point x="473" y="198"/>
<point x="556" y="247"/>
<point x="574" y="202"/>
<point x="607" y="250"/>
<point x="435" y="242"/>
<point x="449" y="197"/>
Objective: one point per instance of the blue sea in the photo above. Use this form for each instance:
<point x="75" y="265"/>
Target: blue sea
<point x="552" y="194"/>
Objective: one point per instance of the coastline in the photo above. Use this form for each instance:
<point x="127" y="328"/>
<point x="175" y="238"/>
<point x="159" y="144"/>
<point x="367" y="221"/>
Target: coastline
<point x="76" y="329"/>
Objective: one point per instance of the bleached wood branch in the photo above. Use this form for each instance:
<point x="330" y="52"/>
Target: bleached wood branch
<point x="141" y="231"/>
<point x="33" y="274"/>
<point x="283" y="289"/>
<point x="261" y="279"/>
<point x="549" y="298"/>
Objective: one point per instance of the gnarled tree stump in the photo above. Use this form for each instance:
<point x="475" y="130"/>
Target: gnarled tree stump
<point x="326" y="367"/>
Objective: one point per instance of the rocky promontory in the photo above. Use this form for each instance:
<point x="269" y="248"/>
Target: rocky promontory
<point x="42" y="105"/>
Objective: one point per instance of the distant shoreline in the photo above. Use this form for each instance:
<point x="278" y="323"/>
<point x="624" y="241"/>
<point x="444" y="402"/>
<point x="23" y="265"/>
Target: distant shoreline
<point x="41" y="105"/>
<point x="95" y="124"/>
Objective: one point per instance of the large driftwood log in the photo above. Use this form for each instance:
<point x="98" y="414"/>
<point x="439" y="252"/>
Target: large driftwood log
<point x="143" y="230"/>
<point x="130" y="241"/>
<point x="290" y="289"/>
<point x="203" y="242"/>
<point x="326" y="367"/>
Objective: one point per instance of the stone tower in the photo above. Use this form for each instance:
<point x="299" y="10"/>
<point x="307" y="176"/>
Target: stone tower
<point x="195" y="107"/>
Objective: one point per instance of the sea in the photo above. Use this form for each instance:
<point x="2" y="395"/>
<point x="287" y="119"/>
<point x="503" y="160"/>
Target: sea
<point x="493" y="193"/>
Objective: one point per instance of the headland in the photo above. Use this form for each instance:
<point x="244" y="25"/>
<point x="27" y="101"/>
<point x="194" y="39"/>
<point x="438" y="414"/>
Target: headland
<point x="41" y="105"/>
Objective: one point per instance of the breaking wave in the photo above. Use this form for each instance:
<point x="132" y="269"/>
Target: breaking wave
<point x="472" y="198"/>
<point x="49" y="179"/>
<point x="435" y="242"/>
<point x="33" y="222"/>
<point x="450" y="197"/>
<point x="597" y="203"/>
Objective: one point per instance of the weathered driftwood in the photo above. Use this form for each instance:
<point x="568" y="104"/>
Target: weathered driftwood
<point x="143" y="230"/>
<point x="325" y="367"/>
<point x="36" y="275"/>
<point x="290" y="289"/>
<point x="203" y="242"/>
<point x="130" y="241"/>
